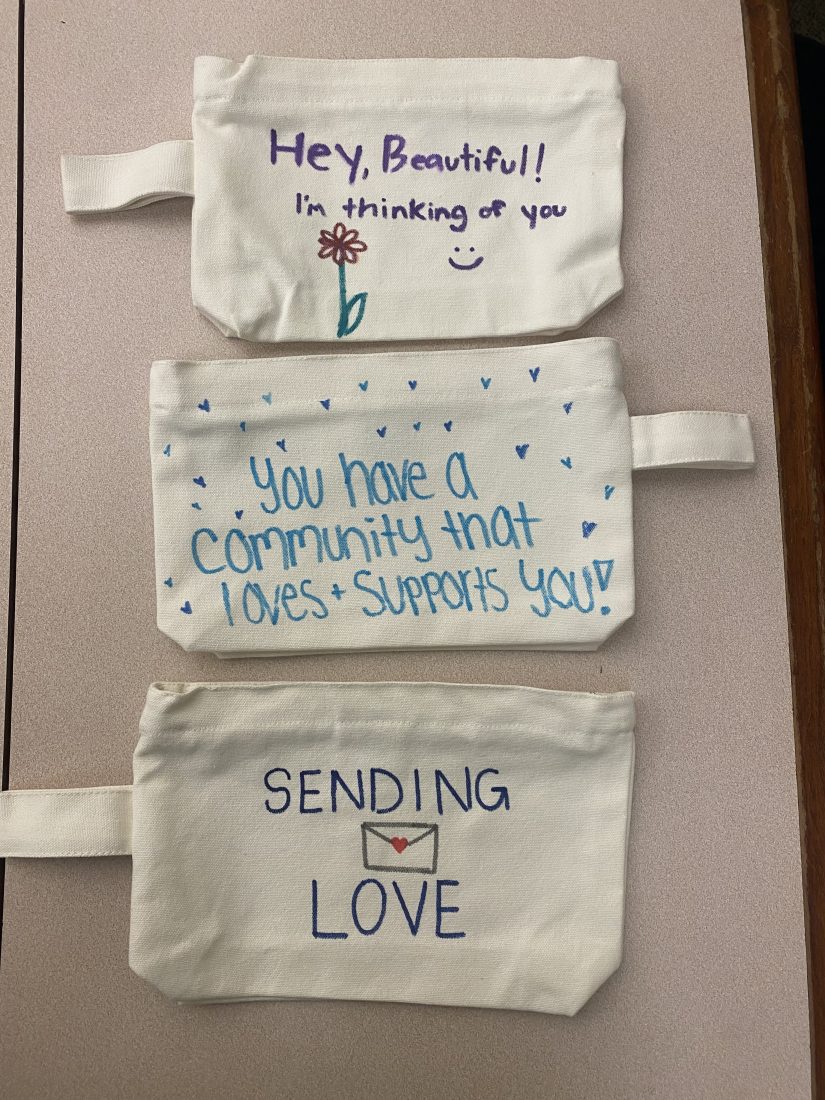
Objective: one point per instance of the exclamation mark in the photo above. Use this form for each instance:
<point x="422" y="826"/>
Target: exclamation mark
<point x="539" y="161"/>
<point x="603" y="569"/>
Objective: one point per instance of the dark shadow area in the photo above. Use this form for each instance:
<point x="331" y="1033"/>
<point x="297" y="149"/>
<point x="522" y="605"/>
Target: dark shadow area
<point x="810" y="65"/>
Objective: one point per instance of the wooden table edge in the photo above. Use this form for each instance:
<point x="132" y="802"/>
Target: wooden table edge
<point x="799" y="409"/>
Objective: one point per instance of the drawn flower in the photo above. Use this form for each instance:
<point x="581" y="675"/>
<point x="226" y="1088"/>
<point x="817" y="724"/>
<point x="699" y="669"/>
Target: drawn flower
<point x="342" y="245"/>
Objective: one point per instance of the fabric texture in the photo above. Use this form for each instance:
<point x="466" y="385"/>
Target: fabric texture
<point x="85" y="821"/>
<point x="123" y="181"/>
<point x="396" y="199"/>
<point x="405" y="500"/>
<point x="433" y="843"/>
<point x="692" y="441"/>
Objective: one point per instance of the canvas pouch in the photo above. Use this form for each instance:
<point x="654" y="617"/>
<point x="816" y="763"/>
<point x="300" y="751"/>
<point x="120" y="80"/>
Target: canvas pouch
<point x="407" y="500"/>
<point x="435" y="843"/>
<point x="397" y="199"/>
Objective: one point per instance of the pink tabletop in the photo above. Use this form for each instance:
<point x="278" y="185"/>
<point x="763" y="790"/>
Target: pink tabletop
<point x="711" y="998"/>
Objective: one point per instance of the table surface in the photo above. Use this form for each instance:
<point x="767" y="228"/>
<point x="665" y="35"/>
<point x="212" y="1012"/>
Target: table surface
<point x="711" y="998"/>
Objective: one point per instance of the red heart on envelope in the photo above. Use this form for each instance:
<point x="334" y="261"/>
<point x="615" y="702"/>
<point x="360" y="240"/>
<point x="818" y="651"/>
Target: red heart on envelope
<point x="399" y="843"/>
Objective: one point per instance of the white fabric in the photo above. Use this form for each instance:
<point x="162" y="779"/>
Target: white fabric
<point x="478" y="251"/>
<point x="509" y="809"/>
<point x="90" y="821"/>
<point x="121" y="181"/>
<point x="507" y="469"/>
<point x="692" y="440"/>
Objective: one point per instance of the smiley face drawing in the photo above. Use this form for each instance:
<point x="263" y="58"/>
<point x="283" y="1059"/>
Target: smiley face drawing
<point x="465" y="267"/>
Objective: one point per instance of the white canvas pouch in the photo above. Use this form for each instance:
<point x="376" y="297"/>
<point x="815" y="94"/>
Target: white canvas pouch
<point x="446" y="844"/>
<point x="404" y="500"/>
<point x="396" y="199"/>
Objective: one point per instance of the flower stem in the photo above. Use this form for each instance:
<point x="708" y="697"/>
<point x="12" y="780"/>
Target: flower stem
<point x="357" y="304"/>
<point x="342" y="299"/>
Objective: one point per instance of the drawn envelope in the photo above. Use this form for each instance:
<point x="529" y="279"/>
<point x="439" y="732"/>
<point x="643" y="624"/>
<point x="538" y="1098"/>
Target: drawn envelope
<point x="400" y="846"/>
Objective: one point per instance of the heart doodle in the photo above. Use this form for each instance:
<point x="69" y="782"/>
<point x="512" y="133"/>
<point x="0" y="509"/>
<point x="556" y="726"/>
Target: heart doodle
<point x="204" y="405"/>
<point x="363" y="385"/>
<point x="567" y="406"/>
<point x="448" y="424"/>
<point x="412" y="383"/>
<point x="196" y="506"/>
<point x="326" y="402"/>
<point x="534" y="373"/>
<point x="168" y="582"/>
<point x="521" y="449"/>
<point x="187" y="608"/>
<point x="609" y="490"/>
<point x="486" y="383"/>
<point x="382" y="431"/>
<point x="417" y="426"/>
<point x="267" y="397"/>
<point x="200" y="480"/>
<point x="167" y="450"/>
<point x="588" y="529"/>
<point x="238" y="513"/>
<point x="568" y="462"/>
<point x="243" y="425"/>
<point x="399" y="843"/>
<point x="281" y="443"/>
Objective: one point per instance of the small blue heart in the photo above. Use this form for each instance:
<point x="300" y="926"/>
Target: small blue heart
<point x="281" y="443"/>
<point x="417" y="426"/>
<point x="187" y="608"/>
<point x="412" y="383"/>
<point x="567" y="406"/>
<point x="204" y="405"/>
<point x="588" y="529"/>
<point x="609" y="490"/>
<point x="363" y="385"/>
<point x="267" y="397"/>
<point x="326" y="402"/>
<point x="486" y="383"/>
<point x="534" y="372"/>
<point x="196" y="506"/>
<point x="167" y="450"/>
<point x="200" y="481"/>
<point x="238" y="513"/>
<point x="604" y="610"/>
<point x="382" y="431"/>
<point x="568" y="462"/>
<point x="243" y="425"/>
<point x="168" y="582"/>
<point x="521" y="449"/>
<point x="448" y="424"/>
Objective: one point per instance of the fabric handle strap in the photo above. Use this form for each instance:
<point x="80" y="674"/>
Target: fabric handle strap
<point x="692" y="440"/>
<point x="86" y="821"/>
<point x="120" y="181"/>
